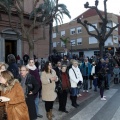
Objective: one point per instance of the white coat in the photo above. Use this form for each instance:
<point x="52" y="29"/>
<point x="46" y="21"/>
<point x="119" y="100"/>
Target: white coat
<point x="73" y="79"/>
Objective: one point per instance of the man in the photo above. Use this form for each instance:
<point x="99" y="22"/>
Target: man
<point x="58" y="68"/>
<point x="25" y="58"/>
<point x="86" y="71"/>
<point x="13" y="67"/>
<point x="65" y="61"/>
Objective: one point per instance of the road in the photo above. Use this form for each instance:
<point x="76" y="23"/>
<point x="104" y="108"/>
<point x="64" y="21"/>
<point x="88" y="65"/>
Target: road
<point x="95" y="109"/>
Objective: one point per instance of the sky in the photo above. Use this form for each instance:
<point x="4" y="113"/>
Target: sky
<point x="76" y="7"/>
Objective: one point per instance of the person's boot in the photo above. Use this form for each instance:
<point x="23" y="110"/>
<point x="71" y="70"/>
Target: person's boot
<point x="51" y="113"/>
<point x="75" y="97"/>
<point x="49" y="116"/>
<point x="74" y="101"/>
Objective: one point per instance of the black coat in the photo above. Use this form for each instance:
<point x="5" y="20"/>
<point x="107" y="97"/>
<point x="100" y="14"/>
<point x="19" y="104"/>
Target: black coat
<point x="31" y="85"/>
<point x="101" y="79"/>
<point x="13" y="68"/>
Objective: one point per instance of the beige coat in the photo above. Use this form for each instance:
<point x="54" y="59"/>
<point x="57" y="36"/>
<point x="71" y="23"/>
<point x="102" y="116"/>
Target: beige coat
<point x="48" y="89"/>
<point x="16" y="108"/>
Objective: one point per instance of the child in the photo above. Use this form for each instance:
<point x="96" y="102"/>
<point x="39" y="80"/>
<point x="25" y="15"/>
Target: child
<point x="116" y="72"/>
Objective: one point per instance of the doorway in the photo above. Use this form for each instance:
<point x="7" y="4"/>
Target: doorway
<point x="10" y="48"/>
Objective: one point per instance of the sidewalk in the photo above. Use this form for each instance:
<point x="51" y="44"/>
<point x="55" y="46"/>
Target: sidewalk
<point x="57" y="114"/>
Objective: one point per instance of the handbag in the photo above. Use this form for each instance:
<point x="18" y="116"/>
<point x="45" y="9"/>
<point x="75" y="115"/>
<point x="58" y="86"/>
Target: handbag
<point x="58" y="87"/>
<point x="79" y="85"/>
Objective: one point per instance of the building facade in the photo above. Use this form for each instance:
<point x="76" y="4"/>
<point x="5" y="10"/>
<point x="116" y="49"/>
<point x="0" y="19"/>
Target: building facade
<point x="11" y="43"/>
<point x="80" y="43"/>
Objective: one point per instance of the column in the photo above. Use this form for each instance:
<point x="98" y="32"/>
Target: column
<point x="2" y="49"/>
<point x="19" y="48"/>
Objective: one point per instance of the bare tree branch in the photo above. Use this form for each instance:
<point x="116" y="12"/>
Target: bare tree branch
<point x="111" y="30"/>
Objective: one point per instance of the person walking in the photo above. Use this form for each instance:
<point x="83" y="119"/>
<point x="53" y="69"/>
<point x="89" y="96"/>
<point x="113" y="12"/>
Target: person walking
<point x="48" y="79"/>
<point x="13" y="97"/>
<point x="101" y="82"/>
<point x="75" y="77"/>
<point x="109" y="70"/>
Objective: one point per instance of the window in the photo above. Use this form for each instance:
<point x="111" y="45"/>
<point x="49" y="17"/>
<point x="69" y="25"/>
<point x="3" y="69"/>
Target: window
<point x="54" y="35"/>
<point x="54" y="44"/>
<point x="72" y="42"/>
<point x="62" y="33"/>
<point x="62" y="44"/>
<point x="91" y="28"/>
<point x="96" y="53"/>
<point x="114" y="24"/>
<point x="109" y="41"/>
<point x="93" y="40"/>
<point x="79" y="30"/>
<point x="79" y="41"/>
<point x="72" y="31"/>
<point x="58" y="43"/>
<point x="109" y="24"/>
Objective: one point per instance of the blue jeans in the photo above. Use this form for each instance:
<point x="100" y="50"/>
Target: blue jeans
<point x="108" y="76"/>
<point x="37" y="99"/>
<point x="95" y="83"/>
<point x="85" y="82"/>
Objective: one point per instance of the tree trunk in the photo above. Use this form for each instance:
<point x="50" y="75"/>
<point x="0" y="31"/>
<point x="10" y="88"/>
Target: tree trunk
<point x="31" y="49"/>
<point x="101" y="48"/>
<point x="50" y="37"/>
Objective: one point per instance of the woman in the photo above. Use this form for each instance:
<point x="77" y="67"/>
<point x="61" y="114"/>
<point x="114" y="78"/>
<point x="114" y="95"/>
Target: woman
<point x="48" y="79"/>
<point x="75" y="78"/>
<point x="94" y="75"/>
<point x="101" y="82"/>
<point x="116" y="72"/>
<point x="35" y="72"/>
<point x="3" y="67"/>
<point x="65" y="86"/>
<point x="30" y="87"/>
<point x="16" y="108"/>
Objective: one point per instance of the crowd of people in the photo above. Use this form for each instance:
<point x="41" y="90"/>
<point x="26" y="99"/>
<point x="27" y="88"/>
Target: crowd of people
<point x="22" y="86"/>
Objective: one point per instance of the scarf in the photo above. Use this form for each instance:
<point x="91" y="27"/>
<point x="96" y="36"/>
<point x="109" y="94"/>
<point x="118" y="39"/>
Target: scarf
<point x="31" y="67"/>
<point x="93" y="70"/>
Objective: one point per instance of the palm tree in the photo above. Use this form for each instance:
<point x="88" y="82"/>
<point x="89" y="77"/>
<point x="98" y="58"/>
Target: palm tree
<point x="42" y="15"/>
<point x="54" y="12"/>
<point x="65" y="41"/>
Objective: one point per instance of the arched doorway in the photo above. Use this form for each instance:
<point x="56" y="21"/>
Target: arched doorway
<point x="10" y="43"/>
<point x="10" y="48"/>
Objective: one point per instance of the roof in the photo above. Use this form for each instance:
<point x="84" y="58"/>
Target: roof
<point x="89" y="13"/>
